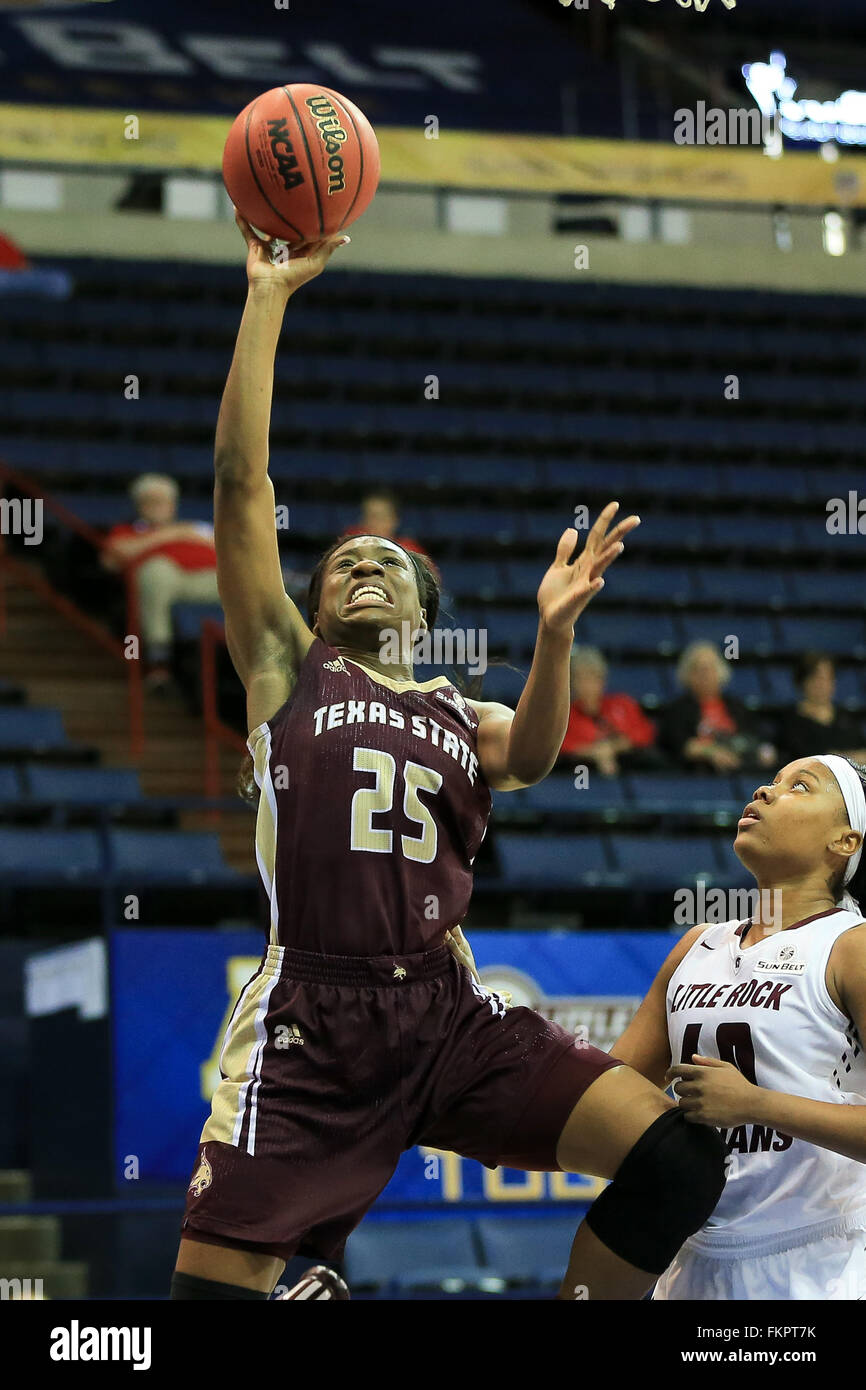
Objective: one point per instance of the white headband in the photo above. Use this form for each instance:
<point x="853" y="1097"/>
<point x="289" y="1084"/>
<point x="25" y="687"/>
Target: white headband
<point x="855" y="804"/>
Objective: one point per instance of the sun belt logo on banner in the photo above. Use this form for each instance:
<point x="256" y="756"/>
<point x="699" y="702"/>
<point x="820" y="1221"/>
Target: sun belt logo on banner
<point x="595" y="1019"/>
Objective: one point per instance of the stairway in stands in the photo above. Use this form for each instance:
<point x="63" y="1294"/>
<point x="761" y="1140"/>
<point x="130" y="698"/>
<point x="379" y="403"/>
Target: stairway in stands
<point x="30" y="1259"/>
<point x="58" y="666"/>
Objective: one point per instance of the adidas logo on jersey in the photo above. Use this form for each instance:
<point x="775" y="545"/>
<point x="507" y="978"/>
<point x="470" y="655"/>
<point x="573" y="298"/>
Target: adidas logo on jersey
<point x="288" y="1035"/>
<point x="337" y="665"/>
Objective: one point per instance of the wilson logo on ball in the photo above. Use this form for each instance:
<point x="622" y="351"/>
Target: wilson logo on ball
<point x="333" y="136"/>
<point x="301" y="163"/>
<point x="287" y="164"/>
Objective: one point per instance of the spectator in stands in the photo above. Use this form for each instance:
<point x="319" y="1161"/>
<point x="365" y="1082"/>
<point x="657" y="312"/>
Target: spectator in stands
<point x="381" y="517"/>
<point x="604" y="731"/>
<point x="173" y="562"/>
<point x="814" y="722"/>
<point x="703" y="727"/>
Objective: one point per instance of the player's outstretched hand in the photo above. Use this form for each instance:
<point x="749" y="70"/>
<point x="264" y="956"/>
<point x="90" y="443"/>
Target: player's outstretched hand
<point x="712" y="1092"/>
<point x="573" y="579"/>
<point x="277" y="264"/>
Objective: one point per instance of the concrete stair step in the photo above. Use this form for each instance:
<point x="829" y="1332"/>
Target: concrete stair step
<point x="16" y="1185"/>
<point x="24" y="1239"/>
<point x="43" y="1279"/>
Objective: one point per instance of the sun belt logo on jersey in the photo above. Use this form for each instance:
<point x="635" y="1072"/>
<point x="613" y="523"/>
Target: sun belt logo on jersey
<point x="202" y="1178"/>
<point x="785" y="963"/>
<point x="455" y="702"/>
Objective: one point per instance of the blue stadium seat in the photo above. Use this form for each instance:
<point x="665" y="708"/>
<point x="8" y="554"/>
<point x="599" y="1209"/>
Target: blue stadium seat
<point x="651" y="632"/>
<point x="670" y="793"/>
<point x="779" y="685"/>
<point x="83" y="786"/>
<point x="527" y="1249"/>
<point x="10" y="784"/>
<point x="838" y="635"/>
<point x="473" y="579"/>
<point x="851" y="687"/>
<point x="754" y="631"/>
<point x="187" y="619"/>
<point x="554" y="863"/>
<point x="744" y="588"/>
<point x="831" y="589"/>
<point x="72" y="857"/>
<point x="412" y="1254"/>
<point x="652" y="584"/>
<point x="169" y="857"/>
<point x="503" y="684"/>
<point x="31" y="729"/>
<point x="756" y="535"/>
<point x="652" y="682"/>
<point x="653" y="861"/>
<point x="558" y="796"/>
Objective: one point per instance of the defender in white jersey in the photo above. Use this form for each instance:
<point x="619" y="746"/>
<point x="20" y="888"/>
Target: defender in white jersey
<point x="759" y="1027"/>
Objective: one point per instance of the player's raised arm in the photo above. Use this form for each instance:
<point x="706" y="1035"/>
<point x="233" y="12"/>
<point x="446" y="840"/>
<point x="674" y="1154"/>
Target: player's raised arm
<point x="267" y="636"/>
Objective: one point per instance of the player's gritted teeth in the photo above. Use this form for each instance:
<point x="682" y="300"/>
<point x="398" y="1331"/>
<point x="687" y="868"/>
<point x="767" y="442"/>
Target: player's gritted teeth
<point x="367" y="591"/>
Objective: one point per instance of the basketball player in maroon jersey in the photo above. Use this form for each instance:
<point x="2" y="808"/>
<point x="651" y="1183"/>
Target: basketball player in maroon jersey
<point x="361" y="1035"/>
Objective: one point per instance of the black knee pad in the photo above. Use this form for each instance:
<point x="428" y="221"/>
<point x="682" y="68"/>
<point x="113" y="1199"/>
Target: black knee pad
<point x="664" y="1190"/>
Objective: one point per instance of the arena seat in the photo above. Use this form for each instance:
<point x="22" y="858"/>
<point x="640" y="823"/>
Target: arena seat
<point x="558" y="797"/>
<point x="648" y="681"/>
<point x="84" y="786"/>
<point x="412" y="1254"/>
<point x="164" y="857"/>
<point x="746" y="588"/>
<point x="527" y="1249"/>
<point x="187" y="619"/>
<point x="10" y="784"/>
<point x="755" y="632"/>
<point x="63" y="856"/>
<point x="838" y="635"/>
<point x="654" y="861"/>
<point x="669" y="793"/>
<point x="31" y="729"/>
<point x="552" y="863"/>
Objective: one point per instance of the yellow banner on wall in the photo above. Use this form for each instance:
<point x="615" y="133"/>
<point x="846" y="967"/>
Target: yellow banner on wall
<point x="69" y="137"/>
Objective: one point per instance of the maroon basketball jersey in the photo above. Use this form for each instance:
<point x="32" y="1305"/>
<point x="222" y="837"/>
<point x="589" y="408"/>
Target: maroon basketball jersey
<point x="371" y="812"/>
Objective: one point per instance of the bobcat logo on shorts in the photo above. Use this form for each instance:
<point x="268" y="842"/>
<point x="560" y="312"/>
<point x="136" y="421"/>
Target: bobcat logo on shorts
<point x="202" y="1178"/>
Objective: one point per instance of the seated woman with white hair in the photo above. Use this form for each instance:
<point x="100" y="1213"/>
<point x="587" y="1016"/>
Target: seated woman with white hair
<point x="173" y="561"/>
<point x="705" y="727"/>
<point x="604" y="730"/>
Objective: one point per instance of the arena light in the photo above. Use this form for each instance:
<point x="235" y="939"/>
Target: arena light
<point x="842" y="121"/>
<point x="835" y="234"/>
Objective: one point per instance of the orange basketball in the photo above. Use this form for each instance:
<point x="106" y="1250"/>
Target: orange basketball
<point x="301" y="162"/>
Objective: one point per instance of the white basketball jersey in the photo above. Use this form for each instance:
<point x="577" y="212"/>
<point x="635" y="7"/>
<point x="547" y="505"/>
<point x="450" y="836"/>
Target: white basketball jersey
<point x="766" y="1008"/>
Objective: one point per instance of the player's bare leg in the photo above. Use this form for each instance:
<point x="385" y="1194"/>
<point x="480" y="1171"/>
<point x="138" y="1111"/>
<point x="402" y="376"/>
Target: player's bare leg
<point x="224" y="1265"/>
<point x="611" y="1117"/>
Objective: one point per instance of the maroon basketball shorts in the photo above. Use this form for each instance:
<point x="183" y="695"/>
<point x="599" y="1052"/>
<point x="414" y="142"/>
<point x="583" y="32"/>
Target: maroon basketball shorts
<point x="332" y="1066"/>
